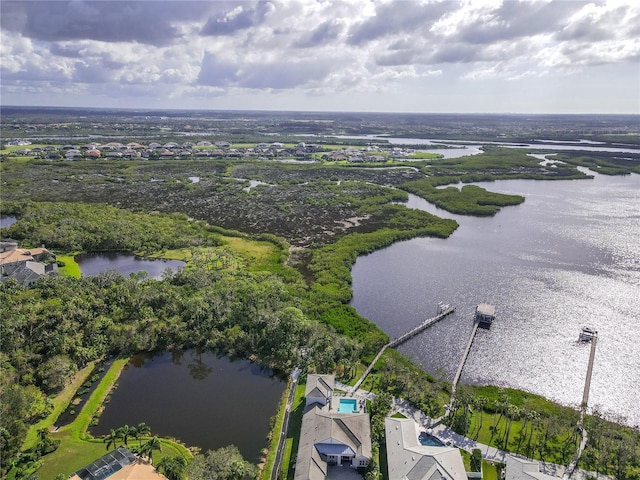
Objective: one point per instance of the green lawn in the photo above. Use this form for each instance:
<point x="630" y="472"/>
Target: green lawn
<point x="11" y="148"/>
<point x="71" y="268"/>
<point x="265" y="473"/>
<point x="254" y="255"/>
<point x="60" y="402"/>
<point x="554" y="452"/>
<point x="424" y="155"/>
<point x="293" y="433"/>
<point x="489" y="470"/>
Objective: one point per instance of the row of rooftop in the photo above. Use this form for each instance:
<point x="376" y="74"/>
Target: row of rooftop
<point x="333" y="437"/>
<point x="133" y="150"/>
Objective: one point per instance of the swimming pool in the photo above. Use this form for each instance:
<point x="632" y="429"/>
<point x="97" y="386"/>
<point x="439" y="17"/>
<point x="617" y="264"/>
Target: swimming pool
<point x="348" y="405"/>
<point x="429" y="440"/>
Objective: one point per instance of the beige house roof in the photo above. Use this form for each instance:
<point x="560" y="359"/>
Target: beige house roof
<point x="407" y="459"/>
<point x="138" y="471"/>
<point x="14" y="256"/>
<point x="486" y="309"/>
<point x="21" y="255"/>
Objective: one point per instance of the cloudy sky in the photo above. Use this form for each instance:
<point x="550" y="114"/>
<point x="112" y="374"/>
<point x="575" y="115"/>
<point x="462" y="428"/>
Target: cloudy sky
<point x="353" y="55"/>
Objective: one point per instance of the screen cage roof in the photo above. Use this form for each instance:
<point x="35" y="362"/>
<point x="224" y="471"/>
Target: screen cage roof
<point x="107" y="465"/>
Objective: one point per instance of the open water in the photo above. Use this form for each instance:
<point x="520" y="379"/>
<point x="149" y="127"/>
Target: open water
<point x="125" y="263"/>
<point x="199" y="398"/>
<point x="568" y="256"/>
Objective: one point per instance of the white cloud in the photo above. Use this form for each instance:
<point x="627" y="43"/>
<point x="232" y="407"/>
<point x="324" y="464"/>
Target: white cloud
<point x="181" y="50"/>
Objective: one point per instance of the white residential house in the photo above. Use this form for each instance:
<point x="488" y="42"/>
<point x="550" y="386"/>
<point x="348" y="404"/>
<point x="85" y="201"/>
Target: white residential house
<point x="72" y="154"/>
<point x="330" y="436"/>
<point x="520" y="468"/>
<point x="408" y="459"/>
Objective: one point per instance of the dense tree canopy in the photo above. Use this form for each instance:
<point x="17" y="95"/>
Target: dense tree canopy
<point x="62" y="323"/>
<point x="223" y="464"/>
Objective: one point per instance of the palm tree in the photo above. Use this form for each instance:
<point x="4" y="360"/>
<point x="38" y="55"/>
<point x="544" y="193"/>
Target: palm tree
<point x="149" y="446"/>
<point x="502" y="405"/>
<point x="513" y="413"/>
<point x="481" y="403"/>
<point x="112" y="438"/>
<point x="126" y="431"/>
<point x="534" y="423"/>
<point x="142" y="429"/>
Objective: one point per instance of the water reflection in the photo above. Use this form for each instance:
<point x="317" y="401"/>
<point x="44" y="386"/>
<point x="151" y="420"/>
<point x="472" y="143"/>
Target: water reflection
<point x="200" y="398"/>
<point x="125" y="263"/>
<point x="566" y="257"/>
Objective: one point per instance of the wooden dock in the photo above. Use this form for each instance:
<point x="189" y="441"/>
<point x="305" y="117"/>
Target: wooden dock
<point x="423" y="326"/>
<point x="587" y="381"/>
<point x="463" y="360"/>
<point x="587" y="335"/>
<point x="444" y="311"/>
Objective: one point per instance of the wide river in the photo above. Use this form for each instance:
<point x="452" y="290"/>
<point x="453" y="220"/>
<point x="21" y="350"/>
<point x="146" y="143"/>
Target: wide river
<point x="569" y="256"/>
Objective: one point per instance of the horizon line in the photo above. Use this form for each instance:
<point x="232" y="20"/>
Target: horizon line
<point x="175" y="109"/>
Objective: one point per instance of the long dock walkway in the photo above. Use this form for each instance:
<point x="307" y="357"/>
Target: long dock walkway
<point x="463" y="360"/>
<point x="423" y="326"/>
<point x="583" y="409"/>
<point x="447" y="310"/>
<point x="587" y="382"/>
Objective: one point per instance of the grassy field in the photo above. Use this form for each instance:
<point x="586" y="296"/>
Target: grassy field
<point x="12" y="148"/>
<point x="555" y="446"/>
<point x="71" y="268"/>
<point x="424" y="155"/>
<point x="254" y="255"/>
<point x="60" y="402"/>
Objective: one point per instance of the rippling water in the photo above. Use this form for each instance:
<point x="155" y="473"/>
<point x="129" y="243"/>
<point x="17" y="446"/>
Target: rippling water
<point x="567" y="257"/>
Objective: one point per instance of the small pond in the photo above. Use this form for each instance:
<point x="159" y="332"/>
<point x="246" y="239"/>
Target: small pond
<point x="125" y="263"/>
<point x="7" y="221"/>
<point x="199" y="398"/>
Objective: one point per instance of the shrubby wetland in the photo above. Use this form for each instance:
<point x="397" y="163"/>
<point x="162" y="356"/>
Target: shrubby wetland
<point x="268" y="212"/>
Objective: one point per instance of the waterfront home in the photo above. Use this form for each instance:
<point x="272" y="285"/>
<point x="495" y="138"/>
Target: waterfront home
<point x="25" y="266"/>
<point x="520" y="468"/>
<point x="335" y="431"/>
<point x="119" y="464"/>
<point x="407" y="458"/>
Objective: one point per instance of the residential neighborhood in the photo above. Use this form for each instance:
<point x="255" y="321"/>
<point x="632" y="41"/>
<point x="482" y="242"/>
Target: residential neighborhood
<point x="301" y="151"/>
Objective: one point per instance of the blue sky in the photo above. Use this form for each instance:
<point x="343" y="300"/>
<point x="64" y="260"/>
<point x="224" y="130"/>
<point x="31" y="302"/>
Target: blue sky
<point x="358" y="55"/>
